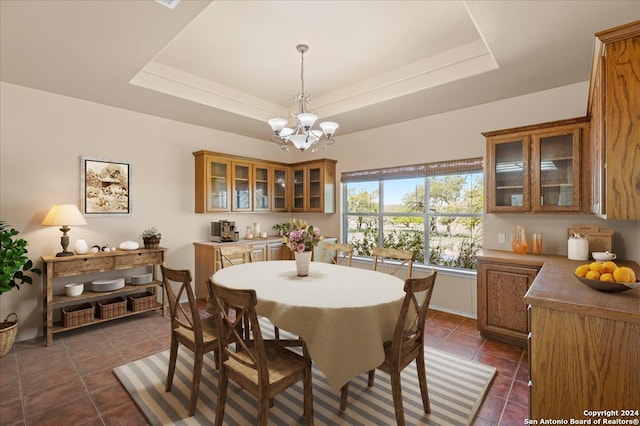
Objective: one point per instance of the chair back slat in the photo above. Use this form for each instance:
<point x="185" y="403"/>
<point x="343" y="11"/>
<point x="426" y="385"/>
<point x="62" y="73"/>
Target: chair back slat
<point x="409" y="331"/>
<point x="234" y="255"/>
<point x="177" y="285"/>
<point x="392" y="261"/>
<point x="236" y="342"/>
<point x="338" y="254"/>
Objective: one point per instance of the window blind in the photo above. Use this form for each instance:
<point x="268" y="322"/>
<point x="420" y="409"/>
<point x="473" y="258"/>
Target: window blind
<point x="467" y="165"/>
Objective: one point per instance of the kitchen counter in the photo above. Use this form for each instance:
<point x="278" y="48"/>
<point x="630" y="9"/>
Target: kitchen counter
<point x="582" y="343"/>
<point x="555" y="286"/>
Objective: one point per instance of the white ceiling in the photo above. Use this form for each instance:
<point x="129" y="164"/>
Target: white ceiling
<point x="230" y="65"/>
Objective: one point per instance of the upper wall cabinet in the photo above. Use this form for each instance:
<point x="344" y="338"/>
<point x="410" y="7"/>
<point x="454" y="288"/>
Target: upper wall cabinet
<point x="537" y="168"/>
<point x="213" y="183"/>
<point x="239" y="184"/>
<point x="314" y="186"/>
<point x="614" y="109"/>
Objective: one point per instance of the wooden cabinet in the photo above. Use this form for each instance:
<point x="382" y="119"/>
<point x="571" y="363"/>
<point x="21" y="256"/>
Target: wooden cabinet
<point x="614" y="96"/>
<point x="314" y="186"/>
<point x="207" y="257"/>
<point x="213" y="183"/>
<point x="583" y="347"/>
<point x="76" y="266"/>
<point x="239" y="184"/>
<point x="502" y="313"/>
<point x="538" y="168"/>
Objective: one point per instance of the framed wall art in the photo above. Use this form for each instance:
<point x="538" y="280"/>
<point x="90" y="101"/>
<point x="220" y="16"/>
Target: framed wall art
<point x="105" y="187"/>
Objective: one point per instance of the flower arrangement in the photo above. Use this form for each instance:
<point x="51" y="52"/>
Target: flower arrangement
<point x="301" y="237"/>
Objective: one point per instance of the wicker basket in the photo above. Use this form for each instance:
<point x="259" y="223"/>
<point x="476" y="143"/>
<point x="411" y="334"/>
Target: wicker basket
<point x="141" y="301"/>
<point x="76" y="315"/>
<point x="110" y="308"/>
<point x="8" y="332"/>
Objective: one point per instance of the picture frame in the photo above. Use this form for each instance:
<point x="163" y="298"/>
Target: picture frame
<point x="105" y="187"/>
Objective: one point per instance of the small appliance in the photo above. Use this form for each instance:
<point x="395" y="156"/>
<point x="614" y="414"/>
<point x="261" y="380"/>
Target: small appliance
<point x="224" y="231"/>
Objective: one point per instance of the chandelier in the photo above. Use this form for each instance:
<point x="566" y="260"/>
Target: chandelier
<point x="302" y="136"/>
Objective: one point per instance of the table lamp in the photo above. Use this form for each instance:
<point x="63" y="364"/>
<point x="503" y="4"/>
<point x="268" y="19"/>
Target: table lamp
<point x="64" y="215"/>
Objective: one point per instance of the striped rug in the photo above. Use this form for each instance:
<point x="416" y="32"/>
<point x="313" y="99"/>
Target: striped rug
<point x="456" y="389"/>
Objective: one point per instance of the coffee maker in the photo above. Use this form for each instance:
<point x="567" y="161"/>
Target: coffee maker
<point x="224" y="231"/>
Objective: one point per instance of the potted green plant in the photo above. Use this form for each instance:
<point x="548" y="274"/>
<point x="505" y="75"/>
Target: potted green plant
<point x="151" y="238"/>
<point x="281" y="228"/>
<point x="15" y="270"/>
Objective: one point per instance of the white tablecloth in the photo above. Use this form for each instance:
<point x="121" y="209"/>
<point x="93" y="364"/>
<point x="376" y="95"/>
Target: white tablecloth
<point x="344" y="314"/>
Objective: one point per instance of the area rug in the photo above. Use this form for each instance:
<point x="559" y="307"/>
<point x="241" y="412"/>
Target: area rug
<point x="456" y="389"/>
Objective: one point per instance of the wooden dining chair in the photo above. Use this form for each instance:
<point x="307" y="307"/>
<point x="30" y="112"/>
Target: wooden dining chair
<point x="407" y="344"/>
<point x="187" y="328"/>
<point x="262" y="367"/>
<point x="391" y="261"/>
<point x="339" y="254"/>
<point x="235" y="255"/>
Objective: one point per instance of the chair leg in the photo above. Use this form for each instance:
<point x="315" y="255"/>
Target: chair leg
<point x="195" y="381"/>
<point x="396" y="390"/>
<point x="308" y="397"/>
<point x="173" y="355"/>
<point x="422" y="379"/>
<point x="263" y="410"/>
<point x="222" y="396"/>
<point x="372" y="375"/>
<point x="344" y="395"/>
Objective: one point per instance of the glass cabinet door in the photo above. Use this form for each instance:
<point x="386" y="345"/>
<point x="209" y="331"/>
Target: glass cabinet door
<point x="556" y="165"/>
<point x="261" y="186"/>
<point x="315" y="189"/>
<point x="279" y="189"/>
<point x="509" y="188"/>
<point x="218" y="185"/>
<point x="241" y="186"/>
<point x="298" y="188"/>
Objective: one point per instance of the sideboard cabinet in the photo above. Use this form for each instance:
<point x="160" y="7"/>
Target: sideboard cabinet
<point x="538" y="168"/>
<point x="614" y="96"/>
<point x="85" y="264"/>
<point x="231" y="183"/>
<point x="502" y="313"/>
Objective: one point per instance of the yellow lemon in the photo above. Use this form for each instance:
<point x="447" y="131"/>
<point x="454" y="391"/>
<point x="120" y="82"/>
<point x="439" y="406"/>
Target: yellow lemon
<point x="593" y="275"/>
<point x="624" y="274"/>
<point x="606" y="277"/>
<point x="597" y="266"/>
<point x="609" y="266"/>
<point x="582" y="270"/>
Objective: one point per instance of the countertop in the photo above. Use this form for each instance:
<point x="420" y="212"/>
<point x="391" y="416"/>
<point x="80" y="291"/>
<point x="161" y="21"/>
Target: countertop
<point x="269" y="240"/>
<point x="556" y="287"/>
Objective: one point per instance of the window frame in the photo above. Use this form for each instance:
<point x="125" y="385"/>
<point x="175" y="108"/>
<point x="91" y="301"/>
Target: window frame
<point x="425" y="171"/>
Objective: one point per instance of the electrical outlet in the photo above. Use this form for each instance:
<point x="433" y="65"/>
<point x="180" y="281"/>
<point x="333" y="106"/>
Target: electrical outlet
<point x="502" y="238"/>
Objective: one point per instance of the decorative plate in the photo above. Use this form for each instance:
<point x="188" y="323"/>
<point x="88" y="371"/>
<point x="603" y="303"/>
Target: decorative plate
<point x="607" y="286"/>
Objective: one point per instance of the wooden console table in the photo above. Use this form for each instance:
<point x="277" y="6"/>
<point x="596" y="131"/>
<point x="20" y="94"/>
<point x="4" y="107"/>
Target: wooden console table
<point x="61" y="267"/>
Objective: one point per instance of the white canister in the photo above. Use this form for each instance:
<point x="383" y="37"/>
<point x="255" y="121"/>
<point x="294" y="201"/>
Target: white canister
<point x="578" y="248"/>
<point x="81" y="247"/>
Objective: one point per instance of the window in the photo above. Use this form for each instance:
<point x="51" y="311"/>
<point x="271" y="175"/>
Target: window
<point x="435" y="205"/>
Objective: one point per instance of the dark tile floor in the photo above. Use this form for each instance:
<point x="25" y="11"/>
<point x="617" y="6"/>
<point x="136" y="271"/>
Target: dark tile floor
<point x="71" y="382"/>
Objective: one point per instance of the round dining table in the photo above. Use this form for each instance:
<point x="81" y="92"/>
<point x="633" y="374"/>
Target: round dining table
<point x="343" y="314"/>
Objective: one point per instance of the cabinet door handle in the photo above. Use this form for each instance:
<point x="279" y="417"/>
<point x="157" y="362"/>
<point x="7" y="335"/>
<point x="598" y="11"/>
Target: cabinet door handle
<point x="530" y="384"/>
<point x="529" y="336"/>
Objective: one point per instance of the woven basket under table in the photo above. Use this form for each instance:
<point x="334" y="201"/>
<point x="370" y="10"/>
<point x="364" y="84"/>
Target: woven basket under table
<point x="75" y="315"/>
<point x="110" y="308"/>
<point x="141" y="301"/>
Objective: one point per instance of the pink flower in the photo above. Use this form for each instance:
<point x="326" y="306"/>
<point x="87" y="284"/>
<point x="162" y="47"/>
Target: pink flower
<point x="301" y="247"/>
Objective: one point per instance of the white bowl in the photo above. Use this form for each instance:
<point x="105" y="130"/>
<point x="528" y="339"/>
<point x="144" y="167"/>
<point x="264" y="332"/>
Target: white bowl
<point x="74" y="289"/>
<point x="107" y="285"/>
<point x="602" y="256"/>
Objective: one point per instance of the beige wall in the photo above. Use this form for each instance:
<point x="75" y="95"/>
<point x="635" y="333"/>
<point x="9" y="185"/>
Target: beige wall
<point x="43" y="135"/>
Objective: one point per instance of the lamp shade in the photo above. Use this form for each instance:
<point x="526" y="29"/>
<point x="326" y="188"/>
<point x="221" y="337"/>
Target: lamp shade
<point x="64" y="214"/>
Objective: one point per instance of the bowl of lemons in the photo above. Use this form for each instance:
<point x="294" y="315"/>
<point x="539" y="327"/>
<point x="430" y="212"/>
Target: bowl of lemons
<point x="606" y="276"/>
